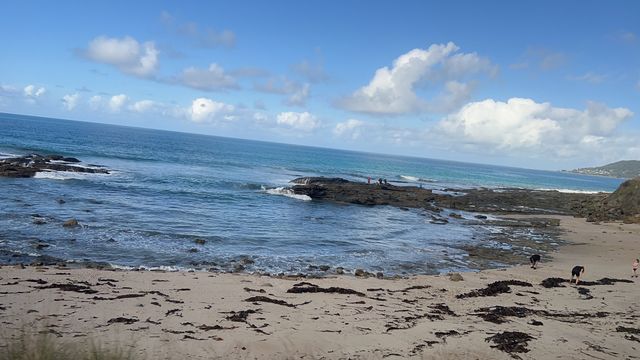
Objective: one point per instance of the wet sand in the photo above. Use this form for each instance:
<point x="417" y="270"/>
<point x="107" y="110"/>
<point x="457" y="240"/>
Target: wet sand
<point x="204" y="315"/>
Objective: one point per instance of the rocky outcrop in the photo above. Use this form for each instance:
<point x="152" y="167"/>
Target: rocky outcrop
<point x="475" y="200"/>
<point x="622" y="205"/>
<point x="27" y="166"/>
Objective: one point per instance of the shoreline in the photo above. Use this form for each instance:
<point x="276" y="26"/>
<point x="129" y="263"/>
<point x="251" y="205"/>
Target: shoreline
<point x="204" y="315"/>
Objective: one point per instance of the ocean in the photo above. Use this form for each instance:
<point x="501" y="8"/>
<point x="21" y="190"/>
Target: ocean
<point x="167" y="189"/>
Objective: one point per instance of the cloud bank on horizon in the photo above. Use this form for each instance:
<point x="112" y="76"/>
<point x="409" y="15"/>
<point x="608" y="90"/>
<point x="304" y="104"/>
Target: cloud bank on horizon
<point x="447" y="96"/>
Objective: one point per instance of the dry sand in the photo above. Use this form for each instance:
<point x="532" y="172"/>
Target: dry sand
<point x="190" y="315"/>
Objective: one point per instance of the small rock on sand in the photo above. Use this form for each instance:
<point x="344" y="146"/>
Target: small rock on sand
<point x="456" y="277"/>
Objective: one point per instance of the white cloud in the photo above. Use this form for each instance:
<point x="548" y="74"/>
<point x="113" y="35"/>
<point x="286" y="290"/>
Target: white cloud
<point x="70" y="101"/>
<point x="299" y="97"/>
<point x="392" y="91"/>
<point x="527" y="126"/>
<point x="143" y="106"/>
<point x="95" y="102"/>
<point x="351" y="128"/>
<point x="302" y="121"/>
<point x="117" y="102"/>
<point x="31" y="91"/>
<point x="207" y="110"/>
<point x="211" y="79"/>
<point x="127" y="54"/>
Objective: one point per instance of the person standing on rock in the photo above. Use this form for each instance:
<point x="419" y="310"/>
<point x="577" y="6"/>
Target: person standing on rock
<point x="634" y="266"/>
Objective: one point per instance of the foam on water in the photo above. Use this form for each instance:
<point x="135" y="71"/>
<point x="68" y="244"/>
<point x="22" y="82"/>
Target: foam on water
<point x="68" y="175"/>
<point x="288" y="193"/>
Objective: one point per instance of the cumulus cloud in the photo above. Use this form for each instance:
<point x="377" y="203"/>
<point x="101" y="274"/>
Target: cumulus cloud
<point x="33" y="92"/>
<point x="70" y="101"/>
<point x="117" y="102"/>
<point x="302" y="121"/>
<point x="126" y="54"/>
<point x="351" y="128"/>
<point x="525" y="125"/>
<point x="393" y="91"/>
<point x="143" y="106"/>
<point x="213" y="78"/>
<point x="207" y="110"/>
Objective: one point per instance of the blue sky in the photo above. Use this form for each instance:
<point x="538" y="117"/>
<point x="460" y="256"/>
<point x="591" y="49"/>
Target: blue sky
<point x="542" y="84"/>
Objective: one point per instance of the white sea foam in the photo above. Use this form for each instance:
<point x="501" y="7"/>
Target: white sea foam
<point x="572" y="191"/>
<point x="288" y="193"/>
<point x="415" y="179"/>
<point x="66" y="175"/>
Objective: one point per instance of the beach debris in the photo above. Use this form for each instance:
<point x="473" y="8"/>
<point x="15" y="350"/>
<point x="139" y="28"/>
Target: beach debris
<point x="305" y="287"/>
<point x="441" y="309"/>
<point x="122" y="320"/>
<point x="535" y="322"/>
<point x="553" y="282"/>
<point x="240" y="316"/>
<point x="497" y="314"/>
<point x="204" y="327"/>
<point x="456" y="277"/>
<point x="257" y="299"/>
<point x="495" y="288"/>
<point x="629" y="330"/>
<point x="511" y="342"/>
<point x="585" y="293"/>
<point x="173" y="311"/>
<point x="261" y="291"/>
<point x="84" y="289"/>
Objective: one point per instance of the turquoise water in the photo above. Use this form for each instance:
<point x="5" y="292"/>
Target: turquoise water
<point x="168" y="189"/>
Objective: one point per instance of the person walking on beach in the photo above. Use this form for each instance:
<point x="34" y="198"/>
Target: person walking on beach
<point x="634" y="266"/>
<point x="577" y="271"/>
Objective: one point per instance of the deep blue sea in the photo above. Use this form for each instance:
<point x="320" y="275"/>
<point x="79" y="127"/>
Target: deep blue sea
<point x="167" y="189"/>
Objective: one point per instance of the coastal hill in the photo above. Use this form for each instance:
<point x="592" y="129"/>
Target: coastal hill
<point x="625" y="169"/>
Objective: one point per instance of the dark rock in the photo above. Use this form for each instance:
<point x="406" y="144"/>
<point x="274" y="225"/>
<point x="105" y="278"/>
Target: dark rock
<point x="193" y="250"/>
<point x="238" y="268"/>
<point x="61" y="201"/>
<point x="70" y="159"/>
<point x="456" y="277"/>
<point x="28" y="166"/>
<point x="324" y="267"/>
<point x="39" y="245"/>
<point x="455" y="215"/>
<point x="38" y="221"/>
<point x="360" y="273"/>
<point x="200" y="241"/>
<point x="340" y="270"/>
<point x="481" y="217"/>
<point x="379" y="275"/>
<point x="71" y="223"/>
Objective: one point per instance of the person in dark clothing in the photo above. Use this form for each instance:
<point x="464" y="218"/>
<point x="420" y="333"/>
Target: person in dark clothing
<point x="576" y="272"/>
<point x="534" y="260"/>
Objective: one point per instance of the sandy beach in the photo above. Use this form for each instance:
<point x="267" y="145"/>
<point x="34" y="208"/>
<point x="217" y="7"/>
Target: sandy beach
<point x="201" y="315"/>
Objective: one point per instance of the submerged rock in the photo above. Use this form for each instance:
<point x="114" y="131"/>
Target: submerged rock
<point x="71" y="223"/>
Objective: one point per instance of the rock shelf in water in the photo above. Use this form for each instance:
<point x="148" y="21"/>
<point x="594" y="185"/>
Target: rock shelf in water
<point x="28" y="165"/>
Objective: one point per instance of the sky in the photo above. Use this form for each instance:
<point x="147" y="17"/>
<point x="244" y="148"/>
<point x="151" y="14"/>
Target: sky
<point x="536" y="84"/>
